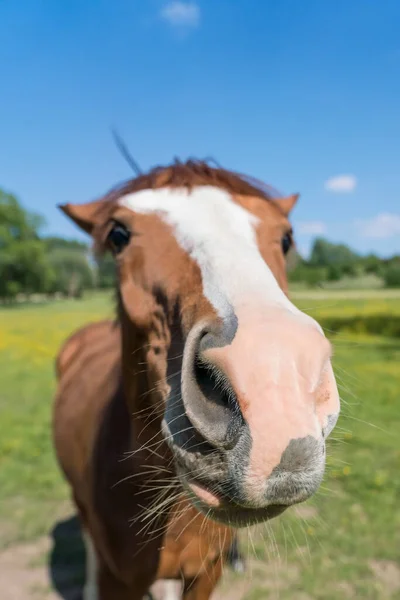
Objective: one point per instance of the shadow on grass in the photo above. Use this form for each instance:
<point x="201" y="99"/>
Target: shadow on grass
<point x="67" y="559"/>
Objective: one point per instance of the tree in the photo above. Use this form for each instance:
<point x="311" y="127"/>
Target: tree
<point x="29" y="263"/>
<point x="372" y="264"/>
<point x="25" y="267"/>
<point x="349" y="269"/>
<point x="72" y="271"/>
<point x="24" y="264"/>
<point x="16" y="223"/>
<point x="56" y="243"/>
<point x="325" y="254"/>
<point x="334" y="273"/>
<point x="391" y="276"/>
<point x="311" y="276"/>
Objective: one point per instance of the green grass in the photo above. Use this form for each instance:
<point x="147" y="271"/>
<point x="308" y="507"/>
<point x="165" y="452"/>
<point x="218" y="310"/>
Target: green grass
<point x="32" y="492"/>
<point x="343" y="543"/>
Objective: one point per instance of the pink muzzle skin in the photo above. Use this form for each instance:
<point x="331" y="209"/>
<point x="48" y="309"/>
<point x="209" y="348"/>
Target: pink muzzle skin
<point x="279" y="368"/>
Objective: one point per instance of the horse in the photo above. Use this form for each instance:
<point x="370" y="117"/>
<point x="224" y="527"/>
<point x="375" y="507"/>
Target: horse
<point x="205" y="405"/>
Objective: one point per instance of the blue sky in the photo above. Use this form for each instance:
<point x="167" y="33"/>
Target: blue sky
<point x="304" y="94"/>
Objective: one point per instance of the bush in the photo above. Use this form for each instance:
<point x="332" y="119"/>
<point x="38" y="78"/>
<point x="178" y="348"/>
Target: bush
<point x="334" y="273"/>
<point x="311" y="276"/>
<point x="372" y="264"/>
<point x="349" y="269"/>
<point x="25" y="268"/>
<point x="378" y="324"/>
<point x="73" y="273"/>
<point x="391" y="276"/>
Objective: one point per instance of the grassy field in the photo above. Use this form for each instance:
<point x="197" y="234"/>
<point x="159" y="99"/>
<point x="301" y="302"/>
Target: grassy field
<point x="345" y="543"/>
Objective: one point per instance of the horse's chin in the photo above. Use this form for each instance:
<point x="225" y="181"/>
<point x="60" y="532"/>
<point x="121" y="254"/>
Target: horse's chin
<point x="237" y="516"/>
<point x="225" y="511"/>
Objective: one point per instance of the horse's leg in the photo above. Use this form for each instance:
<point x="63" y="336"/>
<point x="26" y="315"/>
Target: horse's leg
<point x="235" y="558"/>
<point x="111" y="588"/>
<point x="203" y="586"/>
<point x="90" y="589"/>
<point x="101" y="584"/>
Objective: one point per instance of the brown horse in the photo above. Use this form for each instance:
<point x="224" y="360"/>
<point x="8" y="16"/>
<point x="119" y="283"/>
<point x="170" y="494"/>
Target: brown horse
<point x="205" y="406"/>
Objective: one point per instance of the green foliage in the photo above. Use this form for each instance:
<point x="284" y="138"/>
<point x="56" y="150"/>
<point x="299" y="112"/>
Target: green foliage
<point x="334" y="273"/>
<point x="391" y="276"/>
<point x="56" y="243"/>
<point x="31" y="264"/>
<point x="24" y="263"/>
<point x="16" y="223"/>
<point x="25" y="267"/>
<point x="332" y="263"/>
<point x="72" y="273"/>
<point x="377" y="324"/>
<point x="372" y="264"/>
<point x="349" y="269"/>
<point x="325" y="254"/>
<point x="310" y="275"/>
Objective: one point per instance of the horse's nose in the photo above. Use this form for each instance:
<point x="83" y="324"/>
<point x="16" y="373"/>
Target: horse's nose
<point x="299" y="472"/>
<point x="208" y="397"/>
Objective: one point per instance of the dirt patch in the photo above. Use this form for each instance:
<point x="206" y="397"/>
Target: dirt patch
<point x="237" y="591"/>
<point x="33" y="572"/>
<point x="271" y="578"/>
<point x="387" y="574"/>
<point x="19" y="580"/>
<point x="50" y="568"/>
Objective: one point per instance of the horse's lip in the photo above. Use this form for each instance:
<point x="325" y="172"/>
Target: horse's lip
<point x="204" y="493"/>
<point x="244" y="517"/>
<point x="223" y="510"/>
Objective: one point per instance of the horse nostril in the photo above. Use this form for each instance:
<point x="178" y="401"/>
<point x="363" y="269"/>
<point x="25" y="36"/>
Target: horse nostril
<point x="208" y="397"/>
<point x="214" y="384"/>
<point x="218" y="393"/>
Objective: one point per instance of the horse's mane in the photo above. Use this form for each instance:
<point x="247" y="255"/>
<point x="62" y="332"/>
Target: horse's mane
<point x="192" y="173"/>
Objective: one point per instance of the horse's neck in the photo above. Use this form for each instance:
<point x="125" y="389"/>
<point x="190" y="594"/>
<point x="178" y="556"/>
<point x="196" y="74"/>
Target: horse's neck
<point x="148" y="377"/>
<point x="145" y="404"/>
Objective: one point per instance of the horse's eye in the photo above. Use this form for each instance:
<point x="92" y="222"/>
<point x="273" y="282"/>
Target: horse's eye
<point x="118" y="237"/>
<point x="287" y="242"/>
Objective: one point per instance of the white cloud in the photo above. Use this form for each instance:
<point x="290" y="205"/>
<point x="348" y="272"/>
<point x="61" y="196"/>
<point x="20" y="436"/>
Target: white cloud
<point x="384" y="225"/>
<point x="341" y="184"/>
<point x="311" y="228"/>
<point x="181" y="14"/>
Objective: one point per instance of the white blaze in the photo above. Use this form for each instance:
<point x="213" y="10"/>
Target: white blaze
<point x="220" y="236"/>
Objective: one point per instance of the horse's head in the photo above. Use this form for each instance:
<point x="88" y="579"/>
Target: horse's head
<point x="249" y="395"/>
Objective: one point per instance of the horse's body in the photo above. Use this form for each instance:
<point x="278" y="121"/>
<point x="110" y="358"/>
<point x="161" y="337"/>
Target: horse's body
<point x="93" y="437"/>
<point x="206" y="404"/>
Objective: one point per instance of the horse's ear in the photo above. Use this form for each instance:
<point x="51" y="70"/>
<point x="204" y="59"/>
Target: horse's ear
<point x="86" y="216"/>
<point x="287" y="204"/>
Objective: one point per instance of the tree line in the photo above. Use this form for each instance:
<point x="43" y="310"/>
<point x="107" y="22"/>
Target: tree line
<point x="329" y="263"/>
<point x="31" y="263"/>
